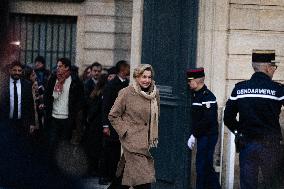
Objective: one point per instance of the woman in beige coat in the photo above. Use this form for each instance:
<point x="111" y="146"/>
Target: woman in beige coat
<point x="134" y="116"/>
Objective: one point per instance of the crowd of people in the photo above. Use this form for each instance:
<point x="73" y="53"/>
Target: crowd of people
<point x="103" y="114"/>
<point x="58" y="108"/>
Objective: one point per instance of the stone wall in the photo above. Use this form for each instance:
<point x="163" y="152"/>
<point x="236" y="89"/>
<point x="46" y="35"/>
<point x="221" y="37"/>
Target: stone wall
<point x="103" y="27"/>
<point x="228" y="31"/>
<point x="254" y="25"/>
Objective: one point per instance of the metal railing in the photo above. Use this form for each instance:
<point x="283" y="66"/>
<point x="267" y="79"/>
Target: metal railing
<point x="49" y="36"/>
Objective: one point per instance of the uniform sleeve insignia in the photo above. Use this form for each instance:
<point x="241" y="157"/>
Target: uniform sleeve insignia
<point x="208" y="105"/>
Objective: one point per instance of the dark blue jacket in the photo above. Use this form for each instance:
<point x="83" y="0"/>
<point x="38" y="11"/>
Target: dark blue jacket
<point x="258" y="102"/>
<point x="204" y="113"/>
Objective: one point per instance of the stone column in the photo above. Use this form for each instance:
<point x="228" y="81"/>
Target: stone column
<point x="212" y="44"/>
<point x="80" y="53"/>
<point x="136" y="35"/>
<point x="212" y="54"/>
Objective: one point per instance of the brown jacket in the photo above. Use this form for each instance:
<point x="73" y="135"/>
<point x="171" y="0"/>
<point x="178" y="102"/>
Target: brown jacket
<point x="130" y="117"/>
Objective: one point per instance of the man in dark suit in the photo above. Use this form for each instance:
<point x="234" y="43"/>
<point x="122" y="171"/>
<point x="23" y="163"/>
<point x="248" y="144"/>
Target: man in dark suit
<point x="17" y="104"/>
<point x="92" y="82"/>
<point x="111" y="144"/>
<point x="23" y="164"/>
<point x="92" y="137"/>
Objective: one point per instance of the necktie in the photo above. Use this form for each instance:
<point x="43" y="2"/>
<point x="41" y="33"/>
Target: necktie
<point x="15" y="113"/>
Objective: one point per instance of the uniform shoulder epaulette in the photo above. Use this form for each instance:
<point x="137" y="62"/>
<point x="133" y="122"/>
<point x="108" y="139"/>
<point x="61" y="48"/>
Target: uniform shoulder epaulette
<point x="208" y="95"/>
<point x="241" y="82"/>
<point x="280" y="84"/>
<point x="206" y="92"/>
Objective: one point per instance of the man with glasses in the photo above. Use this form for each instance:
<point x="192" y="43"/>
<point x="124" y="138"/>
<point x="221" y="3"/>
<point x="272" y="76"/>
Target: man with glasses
<point x="258" y="102"/>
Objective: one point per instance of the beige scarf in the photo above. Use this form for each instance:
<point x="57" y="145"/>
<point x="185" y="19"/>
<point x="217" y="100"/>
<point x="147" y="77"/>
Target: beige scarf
<point x="153" y="134"/>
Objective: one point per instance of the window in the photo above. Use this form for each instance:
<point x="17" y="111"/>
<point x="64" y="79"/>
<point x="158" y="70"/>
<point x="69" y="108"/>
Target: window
<point x="49" y="36"/>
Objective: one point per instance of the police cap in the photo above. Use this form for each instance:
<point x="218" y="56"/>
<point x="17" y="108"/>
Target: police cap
<point x="195" y="73"/>
<point x="263" y="56"/>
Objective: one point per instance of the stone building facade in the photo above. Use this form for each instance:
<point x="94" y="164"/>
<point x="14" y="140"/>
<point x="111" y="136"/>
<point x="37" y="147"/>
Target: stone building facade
<point x="103" y="27"/>
<point x="228" y="30"/>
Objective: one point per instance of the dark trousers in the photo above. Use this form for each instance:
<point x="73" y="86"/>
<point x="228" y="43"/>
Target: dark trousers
<point x="255" y="155"/>
<point x="92" y="142"/>
<point x="23" y="168"/>
<point x="110" y="157"/>
<point x="40" y="119"/>
<point x="206" y="176"/>
<point x="19" y="127"/>
<point x="59" y="130"/>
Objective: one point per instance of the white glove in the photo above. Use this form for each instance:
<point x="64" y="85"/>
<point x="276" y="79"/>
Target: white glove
<point x="191" y="142"/>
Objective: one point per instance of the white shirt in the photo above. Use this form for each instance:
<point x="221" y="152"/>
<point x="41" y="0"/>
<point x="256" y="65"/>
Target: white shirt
<point x="60" y="103"/>
<point x="121" y="79"/>
<point x="19" y="91"/>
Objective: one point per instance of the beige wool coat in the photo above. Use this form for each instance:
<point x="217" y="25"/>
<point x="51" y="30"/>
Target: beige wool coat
<point x="130" y="117"/>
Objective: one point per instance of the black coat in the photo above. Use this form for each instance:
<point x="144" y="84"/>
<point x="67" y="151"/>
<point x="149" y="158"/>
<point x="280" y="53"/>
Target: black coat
<point x="27" y="104"/>
<point x="89" y="86"/>
<point x="258" y="102"/>
<point x="75" y="103"/>
<point x="94" y="110"/>
<point x="109" y="95"/>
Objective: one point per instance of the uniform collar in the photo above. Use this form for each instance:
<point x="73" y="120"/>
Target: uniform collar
<point x="261" y="75"/>
<point x="204" y="88"/>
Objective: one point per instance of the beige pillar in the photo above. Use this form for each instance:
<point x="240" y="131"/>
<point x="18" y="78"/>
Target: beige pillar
<point x="136" y="35"/>
<point x="212" y="44"/>
<point x="80" y="53"/>
<point x="212" y="54"/>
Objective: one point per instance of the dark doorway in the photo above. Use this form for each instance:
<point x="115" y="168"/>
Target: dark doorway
<point x="169" y="44"/>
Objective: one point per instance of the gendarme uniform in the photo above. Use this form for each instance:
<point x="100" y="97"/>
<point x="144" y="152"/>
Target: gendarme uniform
<point x="204" y="113"/>
<point x="258" y="102"/>
<point x="205" y="129"/>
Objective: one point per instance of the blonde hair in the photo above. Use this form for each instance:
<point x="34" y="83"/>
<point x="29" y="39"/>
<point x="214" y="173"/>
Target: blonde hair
<point x="141" y="68"/>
